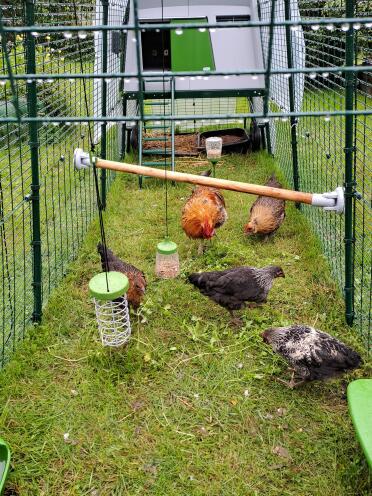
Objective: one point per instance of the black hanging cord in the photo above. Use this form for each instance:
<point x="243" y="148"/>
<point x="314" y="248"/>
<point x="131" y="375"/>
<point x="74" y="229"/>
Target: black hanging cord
<point x="165" y="142"/>
<point x="92" y="148"/>
<point x="101" y="224"/>
<point x="90" y="134"/>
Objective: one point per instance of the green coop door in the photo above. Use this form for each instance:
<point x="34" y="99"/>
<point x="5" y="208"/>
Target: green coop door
<point x="192" y="50"/>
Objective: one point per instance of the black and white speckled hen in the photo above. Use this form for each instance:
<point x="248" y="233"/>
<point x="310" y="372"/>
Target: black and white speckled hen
<point x="232" y="288"/>
<point x="137" y="280"/>
<point x="312" y="354"/>
<point x="266" y="214"/>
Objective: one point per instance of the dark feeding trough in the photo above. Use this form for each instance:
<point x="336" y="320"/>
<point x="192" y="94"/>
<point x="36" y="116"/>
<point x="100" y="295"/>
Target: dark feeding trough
<point x="234" y="140"/>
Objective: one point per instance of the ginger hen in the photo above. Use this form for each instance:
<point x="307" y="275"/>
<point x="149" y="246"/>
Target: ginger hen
<point x="266" y="214"/>
<point x="137" y="280"/>
<point x="203" y="213"/>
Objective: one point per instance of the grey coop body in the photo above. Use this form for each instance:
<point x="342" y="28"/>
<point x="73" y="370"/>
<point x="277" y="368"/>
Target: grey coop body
<point x="233" y="49"/>
<point x="224" y="49"/>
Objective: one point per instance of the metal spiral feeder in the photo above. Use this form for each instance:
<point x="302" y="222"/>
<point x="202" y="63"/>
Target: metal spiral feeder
<point x="108" y="290"/>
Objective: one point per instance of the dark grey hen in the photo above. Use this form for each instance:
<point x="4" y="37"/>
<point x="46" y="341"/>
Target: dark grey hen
<point x="233" y="288"/>
<point x="313" y="354"/>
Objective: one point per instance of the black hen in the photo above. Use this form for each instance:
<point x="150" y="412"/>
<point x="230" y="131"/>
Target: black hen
<point x="313" y="354"/>
<point x="232" y="288"/>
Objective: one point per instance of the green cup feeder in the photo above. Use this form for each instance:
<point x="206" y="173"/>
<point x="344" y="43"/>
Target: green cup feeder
<point x="108" y="290"/>
<point x="167" y="260"/>
<point x="213" y="146"/>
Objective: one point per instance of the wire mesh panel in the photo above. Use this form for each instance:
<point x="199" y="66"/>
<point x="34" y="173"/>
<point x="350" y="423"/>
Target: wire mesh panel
<point x="318" y="160"/>
<point x="363" y="177"/>
<point x="198" y="107"/>
<point x="66" y="198"/>
<point x="16" y="296"/>
<point x="109" y="50"/>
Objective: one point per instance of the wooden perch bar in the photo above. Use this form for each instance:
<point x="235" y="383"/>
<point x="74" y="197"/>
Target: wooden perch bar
<point x="254" y="189"/>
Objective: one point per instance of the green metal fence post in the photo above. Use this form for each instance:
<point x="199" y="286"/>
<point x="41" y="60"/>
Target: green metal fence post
<point x="105" y="7"/>
<point x="137" y="33"/>
<point x="123" y="96"/>
<point x="293" y="121"/>
<point x="34" y="152"/>
<point x="269" y="59"/>
<point x="349" y="170"/>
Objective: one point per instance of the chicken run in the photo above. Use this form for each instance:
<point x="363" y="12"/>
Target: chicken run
<point x="109" y="111"/>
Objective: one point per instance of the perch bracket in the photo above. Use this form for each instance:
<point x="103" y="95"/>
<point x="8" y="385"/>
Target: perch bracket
<point x="81" y="159"/>
<point x="331" y="201"/>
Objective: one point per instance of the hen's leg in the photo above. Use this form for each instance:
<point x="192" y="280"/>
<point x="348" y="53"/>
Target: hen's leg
<point x="268" y="237"/>
<point x="253" y="304"/>
<point x="236" y="321"/>
<point x="200" y="247"/>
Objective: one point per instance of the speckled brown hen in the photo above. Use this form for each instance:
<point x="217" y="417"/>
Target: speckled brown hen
<point x="267" y="214"/>
<point x="137" y="280"/>
<point x="203" y="213"/>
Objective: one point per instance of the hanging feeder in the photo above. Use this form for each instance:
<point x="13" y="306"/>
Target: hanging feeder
<point x="167" y="260"/>
<point x="108" y="290"/>
<point x="213" y="146"/>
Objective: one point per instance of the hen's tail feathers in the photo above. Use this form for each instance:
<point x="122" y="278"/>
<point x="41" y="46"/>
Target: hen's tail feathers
<point x="109" y="254"/>
<point x="273" y="182"/>
<point x="206" y="173"/>
<point x="355" y="360"/>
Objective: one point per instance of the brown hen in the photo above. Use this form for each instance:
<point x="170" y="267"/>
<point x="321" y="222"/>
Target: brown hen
<point x="203" y="213"/>
<point x="137" y="280"/>
<point x="266" y="214"/>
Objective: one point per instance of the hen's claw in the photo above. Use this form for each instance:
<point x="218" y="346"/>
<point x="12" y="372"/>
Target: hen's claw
<point x="292" y="383"/>
<point x="237" y="322"/>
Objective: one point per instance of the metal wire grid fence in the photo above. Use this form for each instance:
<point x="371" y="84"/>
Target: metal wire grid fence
<point x="67" y="201"/>
<point x="319" y="143"/>
<point x="67" y="198"/>
<point x="363" y="177"/>
<point x="199" y="106"/>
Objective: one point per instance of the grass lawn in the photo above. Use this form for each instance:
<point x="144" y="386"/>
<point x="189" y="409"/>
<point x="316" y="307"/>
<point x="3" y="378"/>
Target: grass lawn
<point x="190" y="406"/>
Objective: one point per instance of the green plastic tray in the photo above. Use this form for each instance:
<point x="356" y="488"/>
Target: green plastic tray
<point x="4" y="463"/>
<point x="359" y="395"/>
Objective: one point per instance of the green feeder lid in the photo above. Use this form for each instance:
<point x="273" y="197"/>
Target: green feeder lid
<point x="117" y="282"/>
<point x="167" y="247"/>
